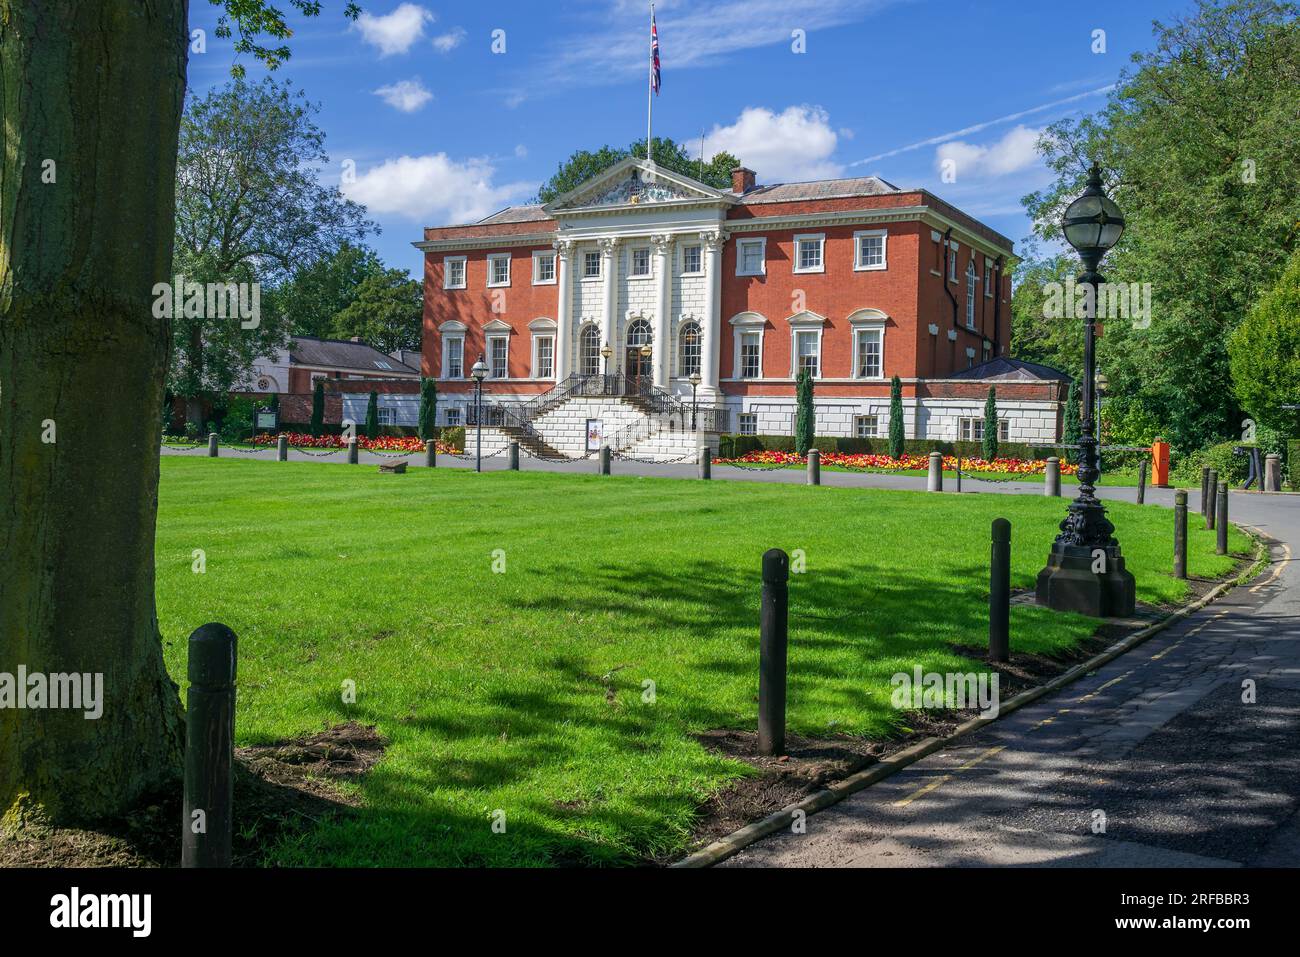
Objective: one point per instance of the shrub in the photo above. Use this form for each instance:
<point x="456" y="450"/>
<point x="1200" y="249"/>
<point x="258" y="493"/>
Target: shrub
<point x="989" y="445"/>
<point x="805" y="422"/>
<point x="237" y="423"/>
<point x="897" y="439"/>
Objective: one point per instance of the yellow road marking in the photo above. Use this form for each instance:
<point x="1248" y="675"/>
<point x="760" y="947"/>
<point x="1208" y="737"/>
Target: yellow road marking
<point x="944" y="779"/>
<point x="1277" y="569"/>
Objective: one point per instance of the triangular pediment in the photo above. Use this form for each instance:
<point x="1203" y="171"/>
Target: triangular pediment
<point x="635" y="183"/>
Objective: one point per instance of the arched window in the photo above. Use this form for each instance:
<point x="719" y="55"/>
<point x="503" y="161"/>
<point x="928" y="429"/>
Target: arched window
<point x="638" y="334"/>
<point x="589" y="351"/>
<point x="689" y="349"/>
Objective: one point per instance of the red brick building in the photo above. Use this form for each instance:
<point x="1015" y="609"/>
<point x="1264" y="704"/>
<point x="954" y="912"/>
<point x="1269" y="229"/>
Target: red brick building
<point x="642" y="279"/>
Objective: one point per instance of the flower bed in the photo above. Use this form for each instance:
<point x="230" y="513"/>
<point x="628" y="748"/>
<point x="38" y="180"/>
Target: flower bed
<point x="907" y="463"/>
<point x="385" y="443"/>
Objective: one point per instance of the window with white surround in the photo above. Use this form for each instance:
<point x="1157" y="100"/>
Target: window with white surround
<point x="544" y="357"/>
<point x="591" y="265"/>
<point x="988" y="279"/>
<point x="387" y="415"/>
<point x="748" y="423"/>
<point x="751" y="257"/>
<point x="498" y="270"/>
<point x="543" y="267"/>
<point x="692" y="260"/>
<point x="498" y="353"/>
<point x="972" y="429"/>
<point x="866" y="426"/>
<point x="972" y="287"/>
<point x="453" y="357"/>
<point x="869" y="249"/>
<point x="751" y="355"/>
<point x="952" y="261"/>
<point x="640" y="265"/>
<point x="808" y="253"/>
<point x="868" y="348"/>
<point x="452" y="416"/>
<point x="453" y="272"/>
<point x="807" y="351"/>
<point x="589" y="350"/>
<point x="688" y="350"/>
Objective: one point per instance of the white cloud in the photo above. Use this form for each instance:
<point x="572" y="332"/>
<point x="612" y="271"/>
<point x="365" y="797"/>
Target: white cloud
<point x="790" y="146"/>
<point x="1014" y="152"/>
<point x="521" y="151"/>
<point x="446" y="42"/>
<point x="434" y="189"/>
<point x="394" y="32"/>
<point x="405" y="95"/>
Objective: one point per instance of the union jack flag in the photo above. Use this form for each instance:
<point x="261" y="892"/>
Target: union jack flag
<point x="654" y="55"/>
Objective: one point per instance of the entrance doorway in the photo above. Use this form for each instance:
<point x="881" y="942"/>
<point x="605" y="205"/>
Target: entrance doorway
<point x="637" y="363"/>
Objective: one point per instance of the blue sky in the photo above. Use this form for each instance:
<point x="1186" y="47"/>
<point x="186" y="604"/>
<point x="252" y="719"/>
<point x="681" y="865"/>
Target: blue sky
<point x="440" y="128"/>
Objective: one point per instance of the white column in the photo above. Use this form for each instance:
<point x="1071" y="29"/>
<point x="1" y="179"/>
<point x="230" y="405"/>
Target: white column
<point x="663" y="347"/>
<point x="711" y="328"/>
<point x="564" y="314"/>
<point x="609" y="277"/>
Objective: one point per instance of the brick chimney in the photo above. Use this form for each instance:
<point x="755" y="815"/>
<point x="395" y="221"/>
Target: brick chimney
<point x="742" y="180"/>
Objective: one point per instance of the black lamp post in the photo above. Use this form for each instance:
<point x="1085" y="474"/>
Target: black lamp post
<point x="695" y="384"/>
<point x="606" y="352"/>
<point x="1085" y="570"/>
<point x="478" y="372"/>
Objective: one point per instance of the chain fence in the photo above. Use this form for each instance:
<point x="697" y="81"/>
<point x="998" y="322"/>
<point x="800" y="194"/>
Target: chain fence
<point x="688" y="457"/>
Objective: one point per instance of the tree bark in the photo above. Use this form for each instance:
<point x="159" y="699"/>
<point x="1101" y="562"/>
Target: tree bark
<point x="97" y="90"/>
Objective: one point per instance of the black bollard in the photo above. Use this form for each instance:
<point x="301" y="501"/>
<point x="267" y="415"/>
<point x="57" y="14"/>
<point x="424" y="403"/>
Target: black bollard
<point x="773" y="637"/>
<point x="1209" y="499"/>
<point x="213" y="440"/>
<point x="514" y="456"/>
<point x="604" y="459"/>
<point x="1205" y="489"/>
<point x="706" y="463"/>
<point x="352" y="450"/>
<point x="431" y="453"/>
<point x="209" y="748"/>
<point x="1180" y="534"/>
<point x="1000" y="592"/>
<point x="1142" y="483"/>
<point x="282" y="448"/>
<point x="1221" y="526"/>
<point x="959" y="472"/>
<point x="814" y="467"/>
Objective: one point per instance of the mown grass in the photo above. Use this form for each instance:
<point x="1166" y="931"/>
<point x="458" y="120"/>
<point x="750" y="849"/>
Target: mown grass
<point x="525" y="691"/>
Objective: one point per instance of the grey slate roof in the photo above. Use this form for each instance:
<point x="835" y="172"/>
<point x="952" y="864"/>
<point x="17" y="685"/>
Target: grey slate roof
<point x="819" y="189"/>
<point x="1003" y="368"/>
<point x="516" y="214"/>
<point x="343" y="354"/>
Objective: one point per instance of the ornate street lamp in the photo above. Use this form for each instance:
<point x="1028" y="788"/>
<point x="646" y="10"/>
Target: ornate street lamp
<point x="1085" y="570"/>
<point x="606" y="352"/>
<point x="478" y="372"/>
<point x="695" y="384"/>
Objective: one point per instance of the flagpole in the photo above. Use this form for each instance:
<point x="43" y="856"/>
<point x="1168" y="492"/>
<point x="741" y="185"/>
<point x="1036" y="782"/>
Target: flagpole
<point x="650" y="96"/>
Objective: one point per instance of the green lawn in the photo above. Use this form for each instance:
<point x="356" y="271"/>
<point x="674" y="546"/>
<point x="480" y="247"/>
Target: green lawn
<point x="493" y="689"/>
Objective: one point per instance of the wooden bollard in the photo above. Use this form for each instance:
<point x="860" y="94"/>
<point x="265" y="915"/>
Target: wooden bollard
<point x="706" y="463"/>
<point x="1180" y="534"/>
<point x="1209" y="499"/>
<point x="814" y="467"/>
<point x="604" y="459"/>
<point x="1000" y="592"/>
<point x="514" y="456"/>
<point x="773" y="638"/>
<point x="352" y="450"/>
<point x="1221" y="526"/>
<point x="209" y="748"/>
<point x="1052" y="477"/>
<point x="431" y="453"/>
<point x="282" y="449"/>
<point x="934" y="482"/>
<point x="213" y="443"/>
<point x="1142" y="482"/>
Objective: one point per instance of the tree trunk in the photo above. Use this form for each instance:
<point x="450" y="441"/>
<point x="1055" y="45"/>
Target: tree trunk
<point x="90" y="98"/>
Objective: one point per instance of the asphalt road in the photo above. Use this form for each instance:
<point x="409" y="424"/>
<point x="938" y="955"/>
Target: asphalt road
<point x="1154" y="760"/>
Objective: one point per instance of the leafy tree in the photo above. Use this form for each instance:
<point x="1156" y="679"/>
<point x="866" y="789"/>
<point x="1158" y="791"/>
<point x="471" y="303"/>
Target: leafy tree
<point x="1057" y="343"/>
<point x="1265" y="354"/>
<point x="318" y="408"/>
<point x="897" y="441"/>
<point x="97" y="89"/>
<point x="584" y="164"/>
<point x="249" y="209"/>
<point x="989" y="443"/>
<point x="372" y="416"/>
<point x="1198" y="141"/>
<point x="386" y="311"/>
<point x="805" y="422"/>
<point x="318" y="291"/>
<point x="1073" y="420"/>
<point x="428" y="407"/>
